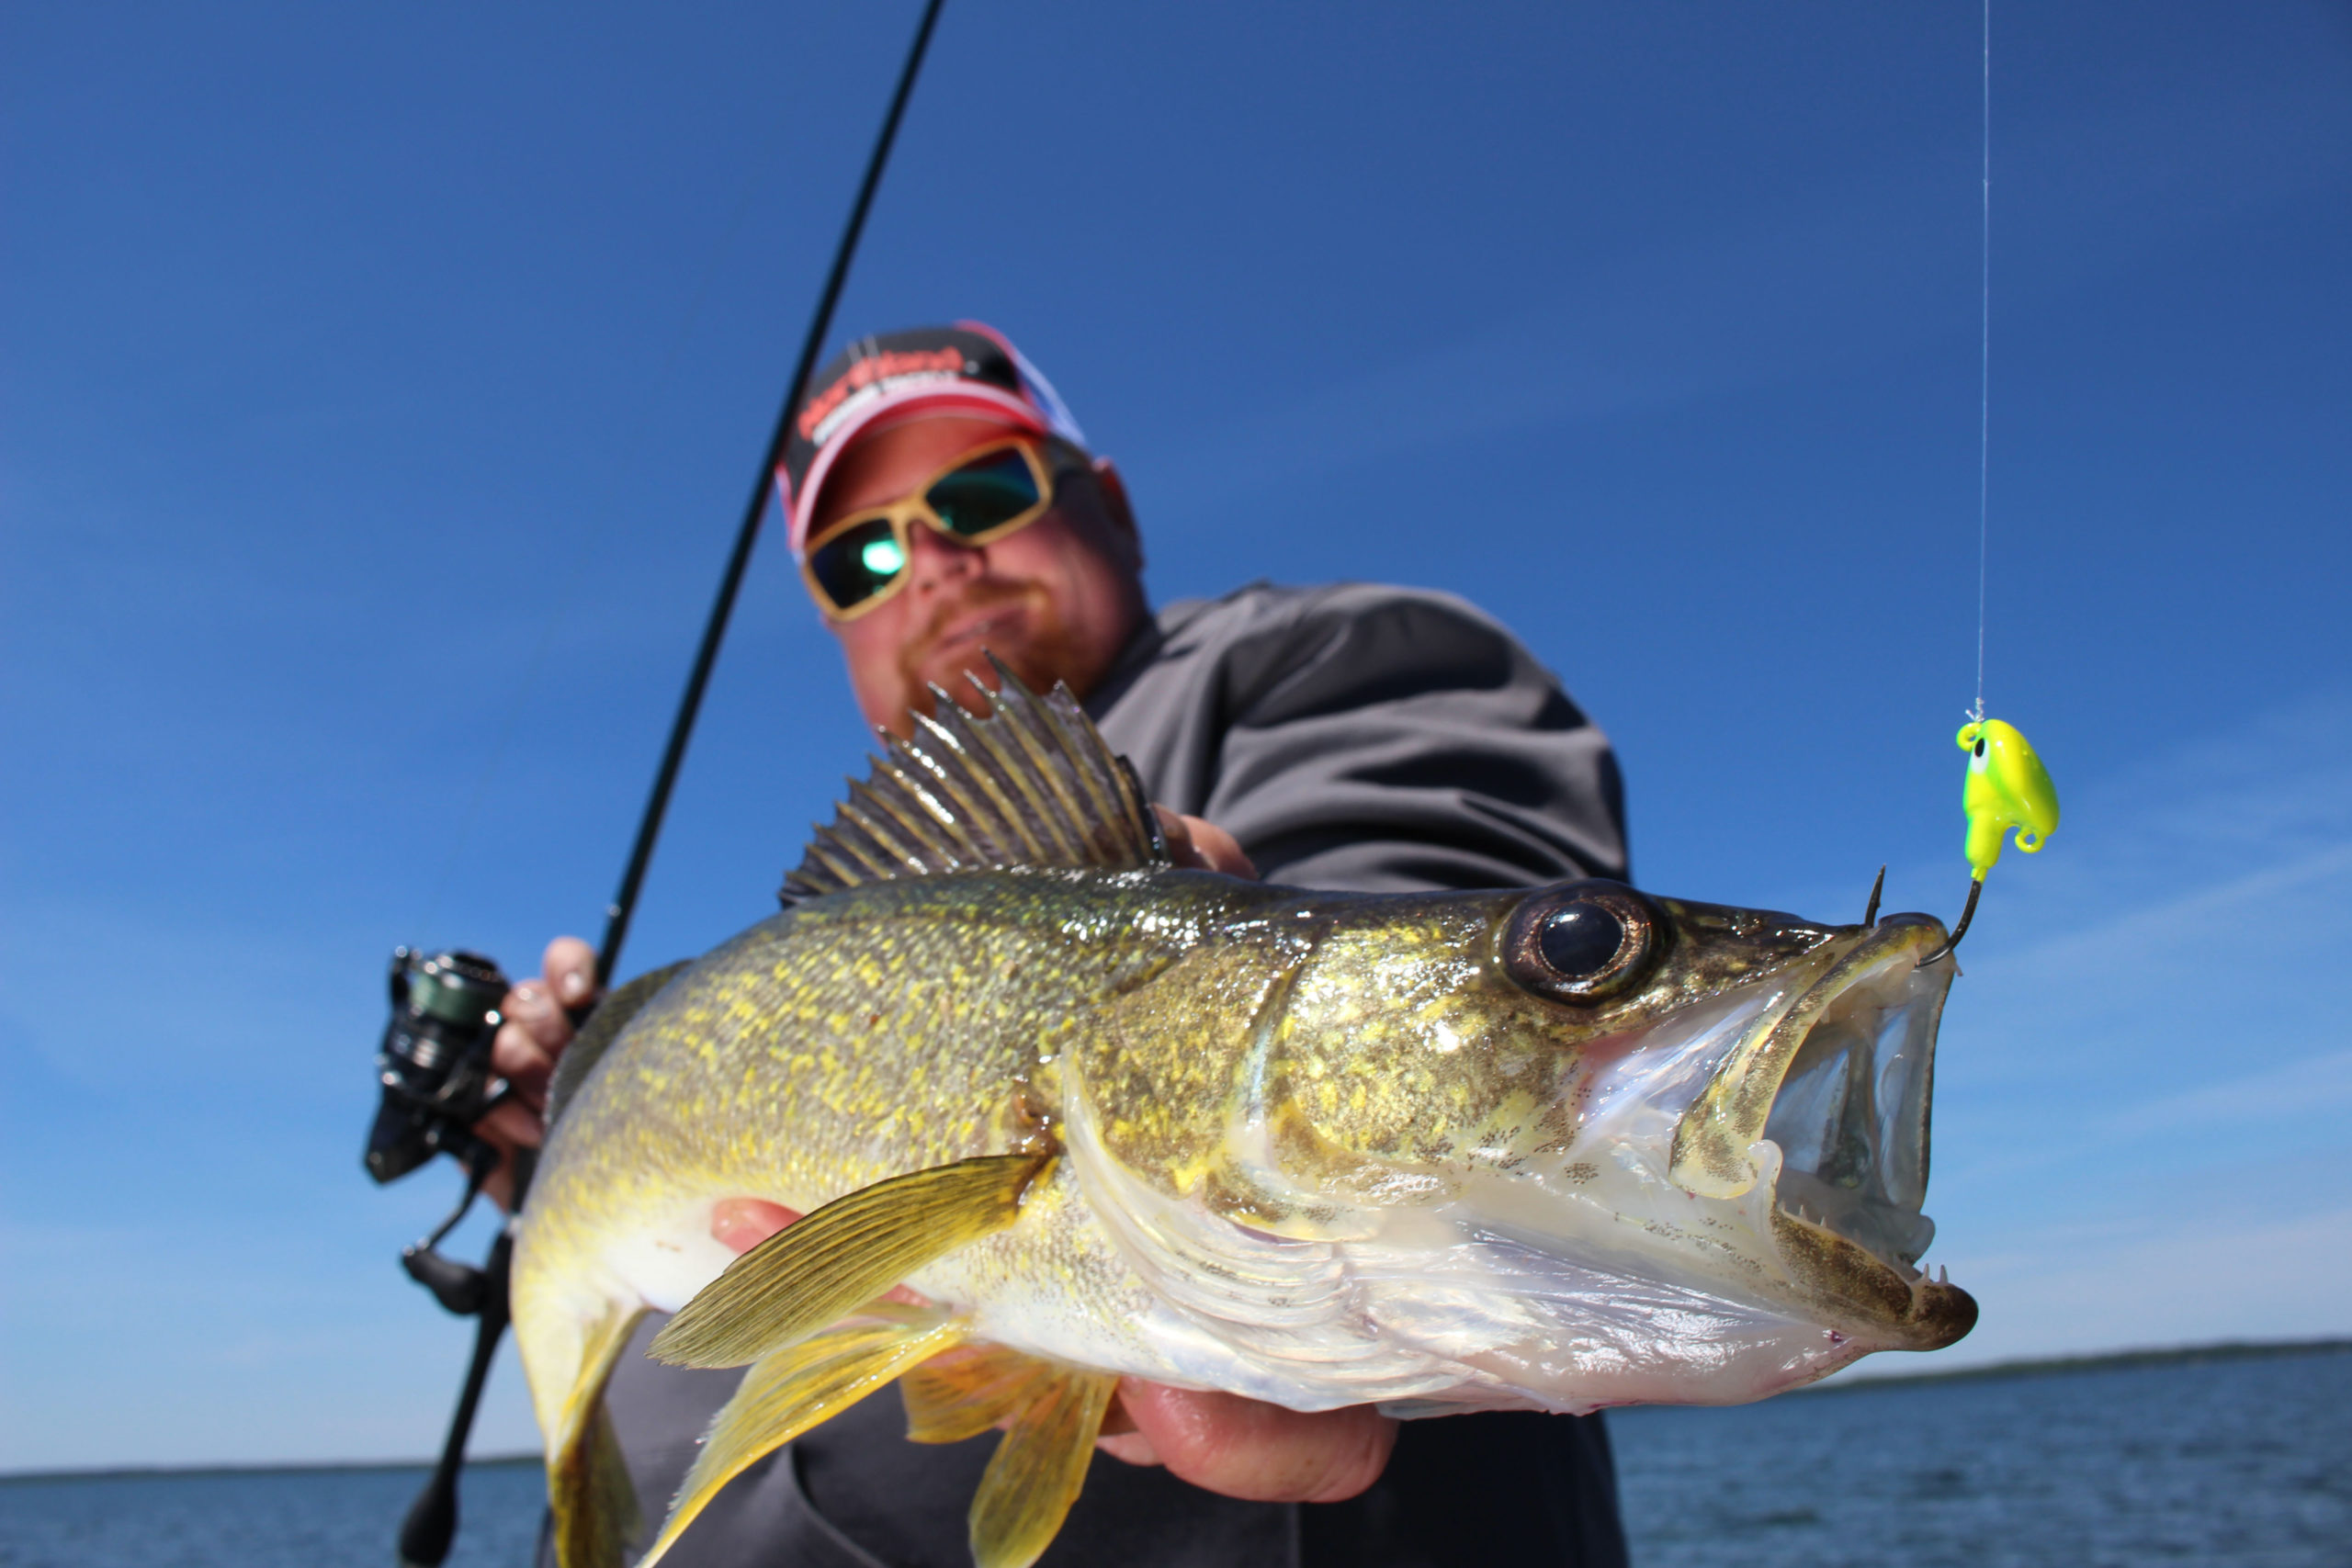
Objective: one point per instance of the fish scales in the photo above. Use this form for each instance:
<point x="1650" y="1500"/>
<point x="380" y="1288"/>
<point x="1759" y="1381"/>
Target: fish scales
<point x="889" y="1023"/>
<point x="896" y="1026"/>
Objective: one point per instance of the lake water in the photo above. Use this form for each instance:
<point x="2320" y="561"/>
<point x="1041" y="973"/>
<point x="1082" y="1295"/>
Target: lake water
<point x="285" y="1518"/>
<point x="2244" y="1463"/>
<point x="2228" y="1463"/>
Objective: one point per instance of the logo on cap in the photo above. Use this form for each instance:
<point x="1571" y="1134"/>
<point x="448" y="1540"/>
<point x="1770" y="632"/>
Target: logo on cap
<point x="967" y="362"/>
<point x="880" y="373"/>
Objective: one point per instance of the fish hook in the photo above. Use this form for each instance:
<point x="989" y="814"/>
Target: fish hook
<point x="1968" y="913"/>
<point x="1869" y="915"/>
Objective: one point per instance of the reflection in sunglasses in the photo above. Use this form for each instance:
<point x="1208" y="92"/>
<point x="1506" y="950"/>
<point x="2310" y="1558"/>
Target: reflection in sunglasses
<point x="860" y="560"/>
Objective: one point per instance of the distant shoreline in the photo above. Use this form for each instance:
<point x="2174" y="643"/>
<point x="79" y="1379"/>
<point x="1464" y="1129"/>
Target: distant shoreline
<point x="199" y="1472"/>
<point x="2113" y="1360"/>
<point x="2106" y="1361"/>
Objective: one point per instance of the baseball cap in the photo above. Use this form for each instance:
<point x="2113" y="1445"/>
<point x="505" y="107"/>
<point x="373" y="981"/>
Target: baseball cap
<point x="967" y="369"/>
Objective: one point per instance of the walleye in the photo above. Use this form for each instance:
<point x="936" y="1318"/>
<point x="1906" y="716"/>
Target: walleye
<point x="1553" y="1148"/>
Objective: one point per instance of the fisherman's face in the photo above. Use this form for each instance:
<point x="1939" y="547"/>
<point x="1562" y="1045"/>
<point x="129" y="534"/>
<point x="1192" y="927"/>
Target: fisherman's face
<point x="1056" y="600"/>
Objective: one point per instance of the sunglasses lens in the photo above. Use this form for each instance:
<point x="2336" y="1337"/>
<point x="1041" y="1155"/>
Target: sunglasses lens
<point x="854" y="566"/>
<point x="985" y="494"/>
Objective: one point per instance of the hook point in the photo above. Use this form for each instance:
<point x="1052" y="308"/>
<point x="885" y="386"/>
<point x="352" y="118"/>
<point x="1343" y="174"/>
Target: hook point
<point x="1968" y="913"/>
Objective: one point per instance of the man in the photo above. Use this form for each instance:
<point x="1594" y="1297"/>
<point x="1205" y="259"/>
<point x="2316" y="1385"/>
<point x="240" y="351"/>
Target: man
<point x="941" y="501"/>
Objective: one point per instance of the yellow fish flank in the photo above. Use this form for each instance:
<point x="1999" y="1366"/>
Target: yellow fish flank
<point x="1551" y="1149"/>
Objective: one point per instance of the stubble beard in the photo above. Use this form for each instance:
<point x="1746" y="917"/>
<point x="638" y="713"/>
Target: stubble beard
<point x="1042" y="653"/>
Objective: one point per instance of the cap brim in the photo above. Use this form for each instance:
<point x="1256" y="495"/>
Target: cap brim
<point x="959" y="396"/>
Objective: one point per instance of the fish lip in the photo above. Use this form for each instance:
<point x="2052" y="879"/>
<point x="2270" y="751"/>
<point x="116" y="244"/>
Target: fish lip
<point x="1882" y="1304"/>
<point x="1831" y="1097"/>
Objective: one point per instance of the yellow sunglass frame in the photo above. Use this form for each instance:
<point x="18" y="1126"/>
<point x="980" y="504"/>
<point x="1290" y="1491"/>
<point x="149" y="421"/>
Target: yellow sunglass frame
<point x="915" y="507"/>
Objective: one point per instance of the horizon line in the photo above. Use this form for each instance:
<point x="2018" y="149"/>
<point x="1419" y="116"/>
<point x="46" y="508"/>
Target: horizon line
<point x="2107" y="1360"/>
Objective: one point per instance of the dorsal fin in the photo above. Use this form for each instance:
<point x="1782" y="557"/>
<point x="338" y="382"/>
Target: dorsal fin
<point x="1031" y="785"/>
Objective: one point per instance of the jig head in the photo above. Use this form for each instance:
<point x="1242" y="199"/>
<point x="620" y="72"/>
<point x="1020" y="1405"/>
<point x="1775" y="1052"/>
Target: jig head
<point x="2007" y="787"/>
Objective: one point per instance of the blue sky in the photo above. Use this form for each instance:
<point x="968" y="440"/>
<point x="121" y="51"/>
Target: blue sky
<point x="378" y="387"/>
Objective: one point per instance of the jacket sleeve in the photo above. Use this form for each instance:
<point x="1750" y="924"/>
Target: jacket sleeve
<point x="1388" y="740"/>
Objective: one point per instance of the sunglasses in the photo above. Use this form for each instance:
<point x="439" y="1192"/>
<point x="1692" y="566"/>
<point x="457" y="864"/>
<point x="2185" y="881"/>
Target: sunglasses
<point x="860" y="561"/>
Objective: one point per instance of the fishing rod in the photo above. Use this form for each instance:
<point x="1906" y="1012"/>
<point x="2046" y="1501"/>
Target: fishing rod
<point x="435" y="1059"/>
<point x="624" y="904"/>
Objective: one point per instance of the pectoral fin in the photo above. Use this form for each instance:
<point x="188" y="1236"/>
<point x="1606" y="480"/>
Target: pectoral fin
<point x="1038" y="1468"/>
<point x="788" y="1391"/>
<point x="848" y="1252"/>
<point x="589" y="1491"/>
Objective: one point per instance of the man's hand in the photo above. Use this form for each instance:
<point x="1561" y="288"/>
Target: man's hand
<point x="1245" y="1448"/>
<point x="534" y="1035"/>
<point x="1202" y="846"/>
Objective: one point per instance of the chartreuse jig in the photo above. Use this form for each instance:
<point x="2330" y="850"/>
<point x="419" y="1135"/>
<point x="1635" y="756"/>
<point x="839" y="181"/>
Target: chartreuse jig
<point x="2007" y="788"/>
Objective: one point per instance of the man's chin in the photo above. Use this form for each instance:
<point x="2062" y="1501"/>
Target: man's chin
<point x="1038" y="660"/>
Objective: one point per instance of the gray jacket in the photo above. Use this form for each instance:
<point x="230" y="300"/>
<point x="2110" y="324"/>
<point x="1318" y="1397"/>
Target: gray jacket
<point x="1350" y="737"/>
<point x="1365" y="738"/>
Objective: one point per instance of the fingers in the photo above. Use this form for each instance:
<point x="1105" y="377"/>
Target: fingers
<point x="1220" y="849"/>
<point x="538" y="1019"/>
<point x="1121" y="1439"/>
<point x="525" y="1049"/>
<point x="510" y="1125"/>
<point x="1245" y="1448"/>
<point x="570" y="970"/>
<point x="1177" y="829"/>
<point x="1198" y="845"/>
<point x="741" y="1224"/>
<point x="537" y="1027"/>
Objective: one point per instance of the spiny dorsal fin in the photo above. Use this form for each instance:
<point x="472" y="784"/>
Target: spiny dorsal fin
<point x="597" y="1035"/>
<point x="1032" y="784"/>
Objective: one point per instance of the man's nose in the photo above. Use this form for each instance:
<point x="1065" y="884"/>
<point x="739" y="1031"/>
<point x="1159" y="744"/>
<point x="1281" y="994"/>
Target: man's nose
<point x="937" y="562"/>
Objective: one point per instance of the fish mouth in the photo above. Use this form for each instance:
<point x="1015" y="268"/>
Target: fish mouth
<point x="1830" y="1099"/>
<point x="1850" y="1116"/>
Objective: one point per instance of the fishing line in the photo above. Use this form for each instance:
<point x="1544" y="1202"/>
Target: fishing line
<point x="1984" y="366"/>
<point x="2007" y="789"/>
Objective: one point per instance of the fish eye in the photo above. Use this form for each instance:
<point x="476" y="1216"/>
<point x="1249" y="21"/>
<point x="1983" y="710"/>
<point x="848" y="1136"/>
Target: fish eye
<point x="1581" y="941"/>
<point x="1578" y="939"/>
